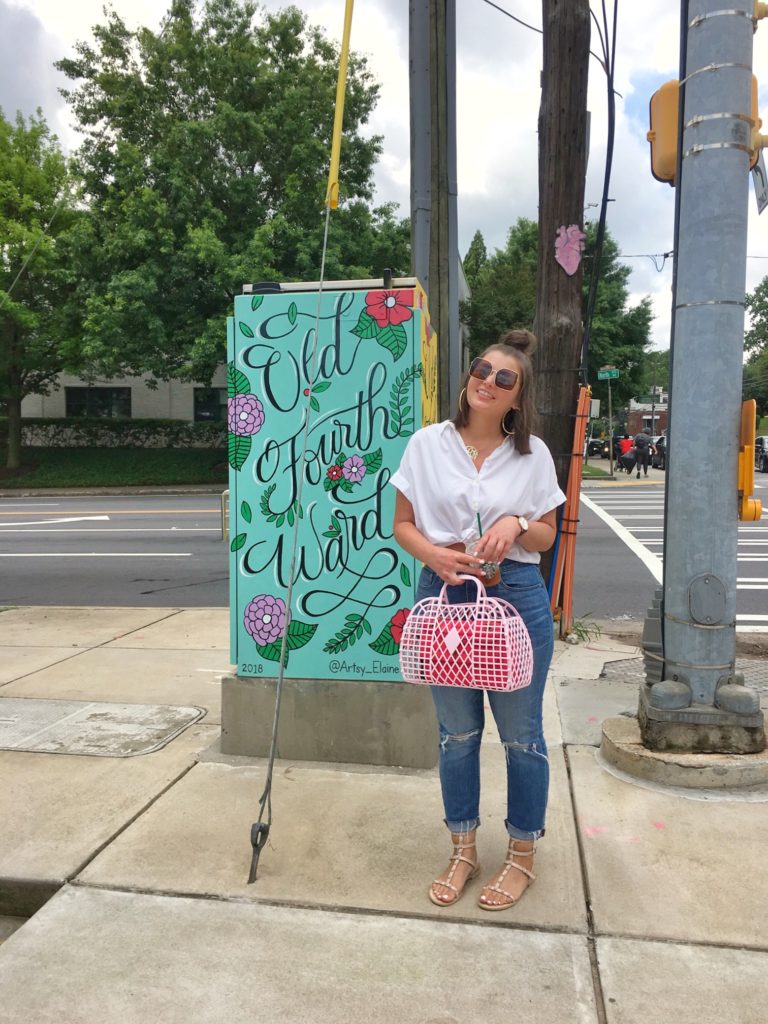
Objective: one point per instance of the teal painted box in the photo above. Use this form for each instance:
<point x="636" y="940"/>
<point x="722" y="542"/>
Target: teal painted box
<point x="375" y="383"/>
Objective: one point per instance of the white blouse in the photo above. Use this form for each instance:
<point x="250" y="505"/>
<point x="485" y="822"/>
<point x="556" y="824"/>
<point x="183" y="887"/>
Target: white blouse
<point x="447" y="492"/>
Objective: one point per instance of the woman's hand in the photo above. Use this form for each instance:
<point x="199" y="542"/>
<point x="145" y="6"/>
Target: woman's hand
<point x="448" y="563"/>
<point x="496" y="542"/>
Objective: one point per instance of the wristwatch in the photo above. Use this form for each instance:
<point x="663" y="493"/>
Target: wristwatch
<point x="523" y="525"/>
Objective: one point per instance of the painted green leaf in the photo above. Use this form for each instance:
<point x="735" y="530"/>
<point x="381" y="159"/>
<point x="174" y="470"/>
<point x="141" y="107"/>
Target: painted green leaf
<point x="246" y="330"/>
<point x="372" y="461"/>
<point x="271" y="652"/>
<point x="238" y="542"/>
<point x="366" y="326"/>
<point x="336" y="524"/>
<point x="301" y="512"/>
<point x="394" y="338"/>
<point x="238" y="450"/>
<point x="314" y="403"/>
<point x="331" y="534"/>
<point x="385" y="642"/>
<point x="237" y="382"/>
<point x="322" y="386"/>
<point x="292" y="312"/>
<point x="328" y="483"/>
<point x="405" y="574"/>
<point x="291" y="517"/>
<point x="280" y="519"/>
<point x="256" y="301"/>
<point x="345" y="485"/>
<point x="299" y="634"/>
<point x="245" y="512"/>
<point x="367" y="627"/>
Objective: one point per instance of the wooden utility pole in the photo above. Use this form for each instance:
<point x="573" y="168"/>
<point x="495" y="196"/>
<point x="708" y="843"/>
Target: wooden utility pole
<point x="562" y="170"/>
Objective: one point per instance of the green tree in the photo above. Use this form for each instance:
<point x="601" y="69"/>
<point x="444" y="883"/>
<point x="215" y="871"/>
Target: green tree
<point x="38" y="325"/>
<point x="756" y="381"/>
<point x="504" y="296"/>
<point x="756" y="338"/>
<point x="476" y="258"/>
<point x="205" y="166"/>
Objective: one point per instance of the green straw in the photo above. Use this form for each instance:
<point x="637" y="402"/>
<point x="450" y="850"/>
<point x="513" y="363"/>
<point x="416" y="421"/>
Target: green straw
<point x="479" y="525"/>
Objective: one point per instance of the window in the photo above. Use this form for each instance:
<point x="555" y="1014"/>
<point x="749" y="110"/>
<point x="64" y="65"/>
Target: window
<point x="211" y="405"/>
<point x="110" y="403"/>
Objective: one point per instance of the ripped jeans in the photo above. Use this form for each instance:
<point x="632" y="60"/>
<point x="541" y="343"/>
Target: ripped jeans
<point x="518" y="714"/>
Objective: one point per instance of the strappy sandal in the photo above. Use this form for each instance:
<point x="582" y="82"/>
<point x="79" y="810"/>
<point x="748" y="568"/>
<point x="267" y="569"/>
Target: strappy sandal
<point x="509" y="899"/>
<point x="459" y="846"/>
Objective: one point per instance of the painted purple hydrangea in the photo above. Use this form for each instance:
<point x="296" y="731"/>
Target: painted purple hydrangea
<point x="265" y="619"/>
<point x="245" y="415"/>
<point x="354" y="469"/>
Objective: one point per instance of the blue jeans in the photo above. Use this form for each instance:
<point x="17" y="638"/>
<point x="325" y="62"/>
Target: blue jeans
<point x="461" y="718"/>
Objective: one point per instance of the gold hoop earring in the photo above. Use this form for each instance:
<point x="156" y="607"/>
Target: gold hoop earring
<point x="504" y="425"/>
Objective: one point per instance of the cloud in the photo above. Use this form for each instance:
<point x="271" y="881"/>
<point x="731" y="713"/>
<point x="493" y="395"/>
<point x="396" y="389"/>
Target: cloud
<point x="28" y="79"/>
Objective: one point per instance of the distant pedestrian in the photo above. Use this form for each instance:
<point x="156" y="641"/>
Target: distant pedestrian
<point x="643" y="449"/>
<point x="625" y="446"/>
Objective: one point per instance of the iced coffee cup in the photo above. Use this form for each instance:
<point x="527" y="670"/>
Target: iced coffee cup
<point x="490" y="570"/>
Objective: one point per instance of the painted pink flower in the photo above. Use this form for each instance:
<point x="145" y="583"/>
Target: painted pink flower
<point x="265" y="619"/>
<point x="334" y="472"/>
<point x="245" y="415"/>
<point x="354" y="469"/>
<point x="397" y="622"/>
<point x="390" y="308"/>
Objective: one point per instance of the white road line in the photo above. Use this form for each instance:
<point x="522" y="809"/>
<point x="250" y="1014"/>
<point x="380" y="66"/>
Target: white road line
<point x="29" y="504"/>
<point x="649" y="560"/>
<point x="752" y="586"/>
<point x="752" y="618"/>
<point x="127" y="529"/>
<point x="100" y="554"/>
<point x="67" y="519"/>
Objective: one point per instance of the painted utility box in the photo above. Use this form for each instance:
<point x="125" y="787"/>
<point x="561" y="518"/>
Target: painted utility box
<point x="375" y="383"/>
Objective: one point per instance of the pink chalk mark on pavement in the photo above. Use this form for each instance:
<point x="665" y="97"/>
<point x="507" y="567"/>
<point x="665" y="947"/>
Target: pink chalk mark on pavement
<point x="594" y="830"/>
<point x="659" y="824"/>
<point x="592" y="718"/>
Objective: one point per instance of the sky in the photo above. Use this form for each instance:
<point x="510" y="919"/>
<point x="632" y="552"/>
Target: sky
<point x="498" y="75"/>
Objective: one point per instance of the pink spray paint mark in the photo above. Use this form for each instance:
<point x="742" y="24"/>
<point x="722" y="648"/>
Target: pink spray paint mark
<point x="659" y="824"/>
<point x="569" y="246"/>
<point x="628" y="839"/>
<point x="594" y="830"/>
<point x="592" y="718"/>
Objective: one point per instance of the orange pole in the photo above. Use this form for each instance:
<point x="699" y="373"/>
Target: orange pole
<point x="571" y="516"/>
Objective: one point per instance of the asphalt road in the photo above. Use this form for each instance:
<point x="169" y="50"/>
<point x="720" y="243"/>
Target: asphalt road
<point x="166" y="550"/>
<point x="122" y="551"/>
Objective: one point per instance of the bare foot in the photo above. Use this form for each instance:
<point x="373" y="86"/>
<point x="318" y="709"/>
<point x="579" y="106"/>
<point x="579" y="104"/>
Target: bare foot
<point x="449" y="887"/>
<point x="514" y="877"/>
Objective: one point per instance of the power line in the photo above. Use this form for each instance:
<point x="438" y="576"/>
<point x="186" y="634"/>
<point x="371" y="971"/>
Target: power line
<point x="533" y="28"/>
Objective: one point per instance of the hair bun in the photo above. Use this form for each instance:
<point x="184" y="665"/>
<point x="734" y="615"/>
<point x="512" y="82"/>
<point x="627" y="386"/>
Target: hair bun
<point x="524" y="341"/>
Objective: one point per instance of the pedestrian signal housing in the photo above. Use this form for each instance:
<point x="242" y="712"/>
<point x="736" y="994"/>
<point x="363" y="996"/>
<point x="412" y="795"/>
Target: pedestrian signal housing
<point x="664" y="130"/>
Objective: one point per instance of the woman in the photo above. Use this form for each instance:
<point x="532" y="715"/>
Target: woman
<point x="486" y="463"/>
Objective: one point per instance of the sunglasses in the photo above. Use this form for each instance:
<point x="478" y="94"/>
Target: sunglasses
<point x="481" y="369"/>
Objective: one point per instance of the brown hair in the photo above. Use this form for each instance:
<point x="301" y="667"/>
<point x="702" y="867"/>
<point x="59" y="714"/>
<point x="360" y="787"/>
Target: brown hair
<point x="518" y="345"/>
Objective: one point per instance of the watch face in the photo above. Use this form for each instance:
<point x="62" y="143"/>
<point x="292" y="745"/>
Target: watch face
<point x="523" y="523"/>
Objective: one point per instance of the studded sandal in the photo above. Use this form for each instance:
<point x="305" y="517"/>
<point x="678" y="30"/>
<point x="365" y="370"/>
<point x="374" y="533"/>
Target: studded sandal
<point x="497" y="887"/>
<point x="460" y="844"/>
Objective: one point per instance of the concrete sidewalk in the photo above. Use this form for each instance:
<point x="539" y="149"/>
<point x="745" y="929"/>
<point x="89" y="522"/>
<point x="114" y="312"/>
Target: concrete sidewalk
<point x="123" y="879"/>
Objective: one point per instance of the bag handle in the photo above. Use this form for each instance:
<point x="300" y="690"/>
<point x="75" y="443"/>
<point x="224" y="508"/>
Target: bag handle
<point x="443" y="598"/>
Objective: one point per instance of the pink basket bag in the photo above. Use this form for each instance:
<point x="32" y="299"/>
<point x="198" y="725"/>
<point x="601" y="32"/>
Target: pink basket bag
<point x="482" y="645"/>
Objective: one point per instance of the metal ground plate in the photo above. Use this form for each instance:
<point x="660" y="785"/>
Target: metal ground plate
<point x="93" y="728"/>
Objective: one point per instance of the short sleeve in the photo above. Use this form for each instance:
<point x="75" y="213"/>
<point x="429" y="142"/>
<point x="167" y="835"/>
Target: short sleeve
<point x="546" y="492"/>
<point x="404" y="476"/>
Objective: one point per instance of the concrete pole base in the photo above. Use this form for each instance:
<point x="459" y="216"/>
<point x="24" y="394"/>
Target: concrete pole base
<point x="699" y="728"/>
<point x="622" y="747"/>
<point x="358" y="722"/>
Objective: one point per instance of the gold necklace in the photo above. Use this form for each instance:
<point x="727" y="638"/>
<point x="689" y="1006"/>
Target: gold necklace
<point x="471" y="451"/>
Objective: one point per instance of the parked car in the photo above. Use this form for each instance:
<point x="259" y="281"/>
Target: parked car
<point x="595" y="446"/>
<point x="761" y="454"/>
<point x="659" y="457"/>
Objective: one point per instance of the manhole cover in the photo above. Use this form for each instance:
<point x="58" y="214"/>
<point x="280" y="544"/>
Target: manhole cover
<point x="90" y="727"/>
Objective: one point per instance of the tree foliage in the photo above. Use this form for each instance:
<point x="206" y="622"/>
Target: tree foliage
<point x="504" y="296"/>
<point x="38" y="336"/>
<point x="205" y="165"/>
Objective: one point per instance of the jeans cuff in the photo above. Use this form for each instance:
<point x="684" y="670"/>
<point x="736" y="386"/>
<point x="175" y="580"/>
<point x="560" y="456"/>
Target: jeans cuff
<point x="467" y="825"/>
<point x="523" y="834"/>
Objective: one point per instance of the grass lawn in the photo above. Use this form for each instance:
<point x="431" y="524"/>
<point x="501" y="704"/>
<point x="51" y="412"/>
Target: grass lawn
<point x="590" y="470"/>
<point x="117" y="467"/>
